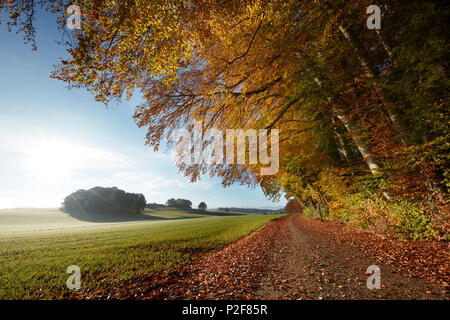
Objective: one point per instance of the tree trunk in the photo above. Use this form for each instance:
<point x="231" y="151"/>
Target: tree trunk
<point x="373" y="72"/>
<point x="361" y="145"/>
<point x="359" y="142"/>
<point x="341" y="147"/>
<point x="366" y="154"/>
<point x="320" y="214"/>
<point x="386" y="46"/>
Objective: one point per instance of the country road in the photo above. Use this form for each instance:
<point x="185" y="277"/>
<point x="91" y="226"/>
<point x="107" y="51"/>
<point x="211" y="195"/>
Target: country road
<point x="292" y="258"/>
<point x="306" y="265"/>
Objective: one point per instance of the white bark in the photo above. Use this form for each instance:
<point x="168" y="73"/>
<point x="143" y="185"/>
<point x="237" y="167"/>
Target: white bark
<point x="386" y="46"/>
<point x="362" y="147"/>
<point x="360" y="144"/>
<point x="365" y="152"/>
<point x="372" y="71"/>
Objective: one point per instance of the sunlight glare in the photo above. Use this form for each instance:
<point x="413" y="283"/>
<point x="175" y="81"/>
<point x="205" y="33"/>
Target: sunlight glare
<point x="52" y="162"/>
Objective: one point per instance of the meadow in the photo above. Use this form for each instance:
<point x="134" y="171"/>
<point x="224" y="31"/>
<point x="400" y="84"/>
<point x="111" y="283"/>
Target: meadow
<point x="37" y="246"/>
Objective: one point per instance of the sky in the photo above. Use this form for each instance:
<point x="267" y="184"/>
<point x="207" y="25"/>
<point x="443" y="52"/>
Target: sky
<point x="54" y="141"/>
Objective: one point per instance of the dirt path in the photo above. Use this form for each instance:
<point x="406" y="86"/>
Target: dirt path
<point x="307" y="265"/>
<point x="294" y="258"/>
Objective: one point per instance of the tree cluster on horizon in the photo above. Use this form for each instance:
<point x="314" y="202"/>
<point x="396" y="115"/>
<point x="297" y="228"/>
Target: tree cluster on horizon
<point x="100" y="200"/>
<point x="179" y="203"/>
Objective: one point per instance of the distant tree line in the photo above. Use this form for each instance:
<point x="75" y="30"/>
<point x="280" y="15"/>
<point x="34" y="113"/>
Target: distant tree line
<point x="250" y="210"/>
<point x="155" y="205"/>
<point x="99" y="200"/>
<point x="179" y="203"/>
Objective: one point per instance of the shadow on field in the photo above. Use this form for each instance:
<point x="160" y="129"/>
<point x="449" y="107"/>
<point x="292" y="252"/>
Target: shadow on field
<point x="103" y="217"/>
<point x="147" y="216"/>
<point x="207" y="213"/>
<point x="214" y="213"/>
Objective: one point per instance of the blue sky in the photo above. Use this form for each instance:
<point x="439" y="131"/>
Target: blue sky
<point x="54" y="141"/>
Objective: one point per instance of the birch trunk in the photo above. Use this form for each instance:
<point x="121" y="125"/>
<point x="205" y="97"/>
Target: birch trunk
<point x="373" y="72"/>
<point x="386" y="46"/>
<point x="341" y="148"/>
<point x="359" y="142"/>
<point x="365" y="152"/>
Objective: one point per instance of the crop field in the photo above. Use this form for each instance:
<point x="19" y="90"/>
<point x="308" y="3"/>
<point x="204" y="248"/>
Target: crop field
<point x="37" y="246"/>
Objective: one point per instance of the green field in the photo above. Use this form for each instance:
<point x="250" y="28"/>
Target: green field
<point x="37" y="246"/>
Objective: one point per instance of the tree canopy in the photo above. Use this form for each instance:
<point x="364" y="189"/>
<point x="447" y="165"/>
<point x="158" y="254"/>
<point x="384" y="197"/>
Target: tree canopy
<point x="202" y="206"/>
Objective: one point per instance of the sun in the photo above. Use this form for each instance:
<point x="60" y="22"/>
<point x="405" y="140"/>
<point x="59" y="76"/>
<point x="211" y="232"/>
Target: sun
<point x="51" y="162"/>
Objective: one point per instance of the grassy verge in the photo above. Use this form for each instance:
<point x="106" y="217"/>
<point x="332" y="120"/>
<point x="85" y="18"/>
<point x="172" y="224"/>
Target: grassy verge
<point x="34" y="265"/>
